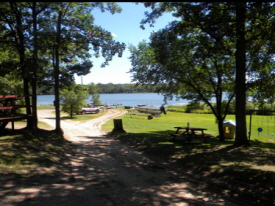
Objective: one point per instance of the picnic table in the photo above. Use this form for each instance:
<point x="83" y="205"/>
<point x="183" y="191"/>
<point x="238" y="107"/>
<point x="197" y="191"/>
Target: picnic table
<point x="8" y="110"/>
<point x="189" y="133"/>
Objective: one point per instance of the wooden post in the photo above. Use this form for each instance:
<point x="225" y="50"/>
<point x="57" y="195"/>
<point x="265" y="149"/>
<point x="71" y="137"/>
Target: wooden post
<point x="118" y="126"/>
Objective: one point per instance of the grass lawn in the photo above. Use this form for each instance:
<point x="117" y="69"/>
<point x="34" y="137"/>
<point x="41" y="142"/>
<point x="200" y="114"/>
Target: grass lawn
<point x="45" y="107"/>
<point x="218" y="163"/>
<point x="160" y="128"/>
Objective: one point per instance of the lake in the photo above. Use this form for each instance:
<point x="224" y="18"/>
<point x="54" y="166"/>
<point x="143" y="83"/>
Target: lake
<point x="133" y="100"/>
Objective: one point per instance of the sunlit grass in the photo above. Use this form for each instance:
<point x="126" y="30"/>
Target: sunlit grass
<point x="166" y="124"/>
<point x="45" y="107"/>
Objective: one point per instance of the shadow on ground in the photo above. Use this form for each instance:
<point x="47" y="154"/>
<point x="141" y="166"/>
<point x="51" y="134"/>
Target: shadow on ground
<point x="46" y="170"/>
<point x="41" y="169"/>
<point x="245" y="174"/>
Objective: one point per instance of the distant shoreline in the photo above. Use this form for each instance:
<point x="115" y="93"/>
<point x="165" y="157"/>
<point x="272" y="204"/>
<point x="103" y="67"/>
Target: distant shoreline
<point x="126" y="99"/>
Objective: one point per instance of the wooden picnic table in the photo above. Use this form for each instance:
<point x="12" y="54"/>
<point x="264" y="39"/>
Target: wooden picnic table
<point x="8" y="110"/>
<point x="189" y="133"/>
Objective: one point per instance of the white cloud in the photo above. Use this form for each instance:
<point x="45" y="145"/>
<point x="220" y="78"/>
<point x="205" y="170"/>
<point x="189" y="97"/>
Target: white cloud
<point x="114" y="35"/>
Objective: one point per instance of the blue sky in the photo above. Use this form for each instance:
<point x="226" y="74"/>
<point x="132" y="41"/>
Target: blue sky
<point x="125" y="27"/>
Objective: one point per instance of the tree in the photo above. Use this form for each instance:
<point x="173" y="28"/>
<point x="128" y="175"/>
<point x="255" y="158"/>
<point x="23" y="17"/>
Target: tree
<point x="241" y="131"/>
<point x="36" y="8"/>
<point x="72" y="100"/>
<point x="13" y="16"/>
<point x="93" y="90"/>
<point x="247" y="26"/>
<point x="10" y="85"/>
<point x="63" y="32"/>
<point x="95" y="99"/>
<point x="17" y="34"/>
<point x="187" y="64"/>
<point x="70" y="38"/>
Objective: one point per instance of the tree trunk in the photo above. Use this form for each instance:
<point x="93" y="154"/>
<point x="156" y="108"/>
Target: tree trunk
<point x="27" y="101"/>
<point x="221" y="130"/>
<point x="71" y="112"/>
<point x="219" y="114"/>
<point x="56" y="76"/>
<point x="241" y="132"/>
<point x="21" y="50"/>
<point x="118" y="126"/>
<point x="35" y="57"/>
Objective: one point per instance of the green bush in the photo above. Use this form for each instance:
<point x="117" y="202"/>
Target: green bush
<point x="176" y="108"/>
<point x="248" y="107"/>
<point x="200" y="108"/>
<point x="193" y="107"/>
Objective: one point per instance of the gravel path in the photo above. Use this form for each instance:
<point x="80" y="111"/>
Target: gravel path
<point x="106" y="172"/>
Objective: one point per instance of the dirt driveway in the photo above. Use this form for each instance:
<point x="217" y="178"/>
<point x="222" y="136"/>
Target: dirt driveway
<point x="104" y="172"/>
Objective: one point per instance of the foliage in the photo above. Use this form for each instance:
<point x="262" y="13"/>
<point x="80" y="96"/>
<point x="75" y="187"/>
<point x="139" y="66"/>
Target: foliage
<point x="211" y="40"/>
<point x="48" y="42"/>
<point x="111" y="88"/>
<point x="80" y="38"/>
<point x="93" y="90"/>
<point x="95" y="99"/>
<point x="72" y="100"/>
<point x="10" y="85"/>
<point x="191" y="71"/>
<point x="193" y="106"/>
<point x="203" y="109"/>
<point x="176" y="108"/>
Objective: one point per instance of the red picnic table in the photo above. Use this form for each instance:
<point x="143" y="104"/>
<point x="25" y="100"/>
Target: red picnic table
<point x="8" y="110"/>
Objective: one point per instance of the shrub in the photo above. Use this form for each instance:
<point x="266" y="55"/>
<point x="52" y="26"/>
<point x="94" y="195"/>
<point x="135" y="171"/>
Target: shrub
<point x="194" y="107"/>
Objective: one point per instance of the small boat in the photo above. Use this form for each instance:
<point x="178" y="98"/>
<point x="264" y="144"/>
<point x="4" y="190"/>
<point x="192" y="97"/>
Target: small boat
<point x="141" y="105"/>
<point x="149" y="110"/>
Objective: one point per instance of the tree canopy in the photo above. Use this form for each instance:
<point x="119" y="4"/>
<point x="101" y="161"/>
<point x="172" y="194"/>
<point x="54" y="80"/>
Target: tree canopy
<point x="46" y="43"/>
<point x="213" y="45"/>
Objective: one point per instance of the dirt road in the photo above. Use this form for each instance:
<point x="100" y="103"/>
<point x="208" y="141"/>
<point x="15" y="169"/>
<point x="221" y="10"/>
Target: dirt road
<point x="77" y="131"/>
<point x="102" y="171"/>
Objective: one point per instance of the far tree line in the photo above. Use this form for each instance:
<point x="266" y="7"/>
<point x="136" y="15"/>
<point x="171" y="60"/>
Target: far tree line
<point x="111" y="88"/>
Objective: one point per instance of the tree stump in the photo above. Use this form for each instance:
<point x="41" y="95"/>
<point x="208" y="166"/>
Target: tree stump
<point x="118" y="126"/>
<point x="150" y="117"/>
